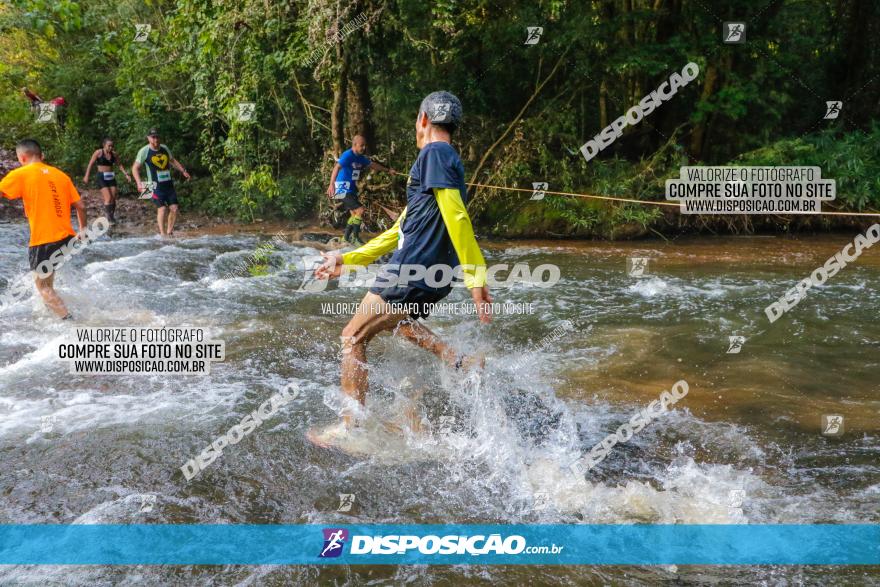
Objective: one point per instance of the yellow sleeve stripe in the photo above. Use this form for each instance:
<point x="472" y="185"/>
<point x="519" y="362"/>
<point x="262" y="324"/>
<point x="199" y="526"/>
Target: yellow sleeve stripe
<point x="461" y="232"/>
<point x="375" y="248"/>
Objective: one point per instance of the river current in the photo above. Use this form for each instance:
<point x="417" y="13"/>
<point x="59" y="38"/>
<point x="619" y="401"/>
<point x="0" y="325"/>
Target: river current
<point x="745" y="445"/>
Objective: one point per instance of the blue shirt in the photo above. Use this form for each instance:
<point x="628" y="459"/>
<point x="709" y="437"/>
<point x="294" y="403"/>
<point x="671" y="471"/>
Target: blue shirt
<point x="351" y="165"/>
<point x="423" y="237"/>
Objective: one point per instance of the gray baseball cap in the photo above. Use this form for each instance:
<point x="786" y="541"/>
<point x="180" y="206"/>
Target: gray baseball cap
<point x="442" y="108"/>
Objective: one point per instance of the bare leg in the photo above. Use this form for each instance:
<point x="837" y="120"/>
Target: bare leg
<point x="368" y="321"/>
<point x="372" y="317"/>
<point x="52" y="299"/>
<point x="107" y="196"/>
<point x="412" y="418"/>
<point x="354" y="369"/>
<point x="172" y="217"/>
<point x="160" y="219"/>
<point x="419" y="334"/>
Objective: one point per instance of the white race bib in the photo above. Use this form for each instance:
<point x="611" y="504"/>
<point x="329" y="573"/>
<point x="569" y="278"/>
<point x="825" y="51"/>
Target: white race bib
<point x="342" y="187"/>
<point x="108" y="175"/>
<point x="355" y="174"/>
<point x="164" y="175"/>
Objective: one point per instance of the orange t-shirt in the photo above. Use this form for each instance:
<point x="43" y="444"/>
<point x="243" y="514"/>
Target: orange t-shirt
<point x="47" y="193"/>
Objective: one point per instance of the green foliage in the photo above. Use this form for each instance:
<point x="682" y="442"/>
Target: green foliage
<point x="579" y="216"/>
<point x="258" y="269"/>
<point x="851" y="159"/>
<point x="260" y="265"/>
<point x="204" y="57"/>
<point x="254" y="186"/>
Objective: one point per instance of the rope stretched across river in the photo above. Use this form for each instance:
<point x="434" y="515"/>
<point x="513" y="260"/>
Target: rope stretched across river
<point x="634" y="201"/>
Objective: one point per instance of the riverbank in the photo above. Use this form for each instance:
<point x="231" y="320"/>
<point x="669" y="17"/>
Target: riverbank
<point x="136" y="217"/>
<point x="563" y="219"/>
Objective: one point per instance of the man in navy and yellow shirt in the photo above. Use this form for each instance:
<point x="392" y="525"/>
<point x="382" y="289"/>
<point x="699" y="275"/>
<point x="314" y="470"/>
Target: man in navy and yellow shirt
<point x="433" y="230"/>
<point x="343" y="184"/>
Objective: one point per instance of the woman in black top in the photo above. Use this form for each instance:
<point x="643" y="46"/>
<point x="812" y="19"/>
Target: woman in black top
<point x="106" y="158"/>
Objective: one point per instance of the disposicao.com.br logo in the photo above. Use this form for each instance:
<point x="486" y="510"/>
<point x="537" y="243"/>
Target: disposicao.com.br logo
<point x="450" y="544"/>
<point x="334" y="541"/>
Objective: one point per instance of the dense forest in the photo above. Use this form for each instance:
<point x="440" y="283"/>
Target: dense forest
<point x="320" y="71"/>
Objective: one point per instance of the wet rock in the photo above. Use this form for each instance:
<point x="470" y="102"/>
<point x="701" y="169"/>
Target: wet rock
<point x="317" y="237"/>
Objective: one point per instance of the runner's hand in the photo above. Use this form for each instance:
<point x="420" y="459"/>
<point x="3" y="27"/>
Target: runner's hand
<point x="187" y="175"/>
<point x="481" y="300"/>
<point x="330" y="191"/>
<point x="332" y="266"/>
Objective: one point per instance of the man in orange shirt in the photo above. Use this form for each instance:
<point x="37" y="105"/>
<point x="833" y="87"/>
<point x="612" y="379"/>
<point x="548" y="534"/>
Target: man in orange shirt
<point x="48" y="194"/>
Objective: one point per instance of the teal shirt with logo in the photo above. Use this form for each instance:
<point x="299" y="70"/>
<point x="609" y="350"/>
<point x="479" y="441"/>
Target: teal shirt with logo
<point x="158" y="165"/>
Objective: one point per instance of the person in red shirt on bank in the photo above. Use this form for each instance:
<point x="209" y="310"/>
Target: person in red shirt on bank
<point x="58" y="105"/>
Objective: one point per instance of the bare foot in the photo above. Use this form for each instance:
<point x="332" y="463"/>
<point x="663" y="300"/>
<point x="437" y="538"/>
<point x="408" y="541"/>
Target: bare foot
<point x="328" y="436"/>
<point x="474" y="362"/>
<point x="393" y="427"/>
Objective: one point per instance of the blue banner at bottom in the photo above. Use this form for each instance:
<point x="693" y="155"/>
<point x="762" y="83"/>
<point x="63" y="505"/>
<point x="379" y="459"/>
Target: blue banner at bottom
<point x="371" y="544"/>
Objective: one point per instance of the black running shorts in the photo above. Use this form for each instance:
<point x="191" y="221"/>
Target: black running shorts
<point x="39" y="253"/>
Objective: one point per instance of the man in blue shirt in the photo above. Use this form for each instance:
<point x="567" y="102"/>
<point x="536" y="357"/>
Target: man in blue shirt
<point x="343" y="185"/>
<point x="433" y="231"/>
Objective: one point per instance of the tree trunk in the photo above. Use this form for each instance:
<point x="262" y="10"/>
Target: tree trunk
<point x="858" y="84"/>
<point x="360" y="109"/>
<point x="340" y="90"/>
<point x="699" y="133"/>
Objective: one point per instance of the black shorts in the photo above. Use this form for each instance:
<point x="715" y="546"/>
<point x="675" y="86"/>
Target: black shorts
<point x="105" y="183"/>
<point x="350" y="202"/>
<point x="165" y="197"/>
<point x="39" y="253"/>
<point x="419" y="299"/>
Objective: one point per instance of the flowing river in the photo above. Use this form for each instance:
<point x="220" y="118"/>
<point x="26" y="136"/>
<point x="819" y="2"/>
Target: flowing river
<point x="745" y="445"/>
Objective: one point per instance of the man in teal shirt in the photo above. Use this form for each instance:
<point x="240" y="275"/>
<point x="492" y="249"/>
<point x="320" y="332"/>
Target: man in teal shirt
<point x="158" y="160"/>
